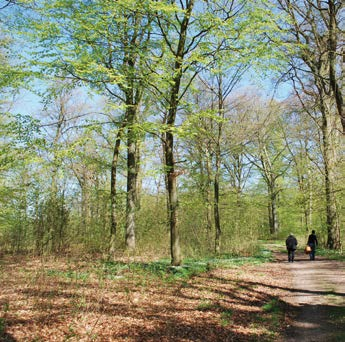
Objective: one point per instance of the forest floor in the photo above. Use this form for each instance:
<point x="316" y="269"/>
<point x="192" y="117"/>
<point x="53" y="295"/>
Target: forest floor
<point x="65" y="300"/>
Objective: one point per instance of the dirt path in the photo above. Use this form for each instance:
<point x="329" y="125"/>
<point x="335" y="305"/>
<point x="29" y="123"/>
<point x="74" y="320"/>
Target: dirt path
<point x="317" y="296"/>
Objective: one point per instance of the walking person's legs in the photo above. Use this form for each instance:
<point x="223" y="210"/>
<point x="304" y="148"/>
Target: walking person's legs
<point x="312" y="253"/>
<point x="291" y="255"/>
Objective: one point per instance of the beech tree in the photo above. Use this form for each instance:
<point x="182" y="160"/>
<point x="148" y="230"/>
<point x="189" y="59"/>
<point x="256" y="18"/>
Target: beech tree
<point x="316" y="68"/>
<point x="189" y="32"/>
<point x="195" y="35"/>
<point x="104" y="46"/>
<point x="301" y="139"/>
<point x="269" y="153"/>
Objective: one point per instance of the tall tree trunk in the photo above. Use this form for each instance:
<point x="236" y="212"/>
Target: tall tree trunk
<point x="113" y="177"/>
<point x="216" y="203"/>
<point x="175" y="249"/>
<point x="273" y="206"/>
<point x="208" y="195"/>
<point x="333" y="34"/>
<point x="138" y="176"/>
<point x="220" y="98"/>
<point x="310" y="210"/>
<point x="309" y="206"/>
<point x="332" y="219"/>
<point x="85" y="208"/>
<point x="343" y="89"/>
<point x="275" y="221"/>
<point x="133" y="98"/>
<point x="131" y="190"/>
<point x="324" y="40"/>
<point x="176" y="258"/>
<point x="54" y="203"/>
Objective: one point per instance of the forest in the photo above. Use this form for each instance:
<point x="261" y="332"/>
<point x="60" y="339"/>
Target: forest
<point x="170" y="128"/>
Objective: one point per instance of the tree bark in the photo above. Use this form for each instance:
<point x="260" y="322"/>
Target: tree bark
<point x="113" y="177"/>
<point x="318" y="80"/>
<point x="332" y="219"/>
<point x="176" y="258"/>
<point x="131" y="189"/>
<point x="217" y="166"/>
<point x="208" y="190"/>
<point x="216" y="204"/>
<point x="332" y="52"/>
<point x="274" y="222"/>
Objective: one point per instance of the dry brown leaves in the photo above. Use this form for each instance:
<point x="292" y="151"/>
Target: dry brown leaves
<point x="223" y="305"/>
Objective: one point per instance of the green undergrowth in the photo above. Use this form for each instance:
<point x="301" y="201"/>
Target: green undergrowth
<point x="162" y="269"/>
<point x="190" y="267"/>
<point x="331" y="254"/>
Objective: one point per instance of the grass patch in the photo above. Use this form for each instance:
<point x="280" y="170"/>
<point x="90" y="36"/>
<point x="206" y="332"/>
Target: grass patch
<point x="157" y="270"/>
<point x="261" y="256"/>
<point x="273" y="314"/>
<point x="191" y="267"/>
<point x="206" y="305"/>
<point x="72" y="275"/>
<point x="331" y="254"/>
<point x="226" y="317"/>
<point x="2" y="326"/>
<point x="273" y="306"/>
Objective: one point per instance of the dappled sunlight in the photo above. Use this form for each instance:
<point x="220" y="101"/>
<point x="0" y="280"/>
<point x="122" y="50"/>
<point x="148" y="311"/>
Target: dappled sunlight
<point x="50" y="300"/>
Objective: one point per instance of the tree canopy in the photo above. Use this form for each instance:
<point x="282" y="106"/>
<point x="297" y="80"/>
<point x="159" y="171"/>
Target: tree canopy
<point x="156" y="125"/>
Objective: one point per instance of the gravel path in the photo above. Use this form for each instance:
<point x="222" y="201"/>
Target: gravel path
<point x="317" y="296"/>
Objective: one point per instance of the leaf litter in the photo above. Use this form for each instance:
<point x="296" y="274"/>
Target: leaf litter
<point x="62" y="300"/>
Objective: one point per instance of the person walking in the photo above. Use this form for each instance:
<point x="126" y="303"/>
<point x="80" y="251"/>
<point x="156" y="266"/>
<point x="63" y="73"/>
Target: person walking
<point x="312" y="242"/>
<point x="291" y="246"/>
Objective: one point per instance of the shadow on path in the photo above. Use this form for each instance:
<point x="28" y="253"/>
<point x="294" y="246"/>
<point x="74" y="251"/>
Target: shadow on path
<point x="317" y="323"/>
<point x="4" y="337"/>
<point x="316" y="298"/>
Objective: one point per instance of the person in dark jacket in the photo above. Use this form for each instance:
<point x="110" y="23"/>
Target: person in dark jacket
<point x="291" y="246"/>
<point x="312" y="242"/>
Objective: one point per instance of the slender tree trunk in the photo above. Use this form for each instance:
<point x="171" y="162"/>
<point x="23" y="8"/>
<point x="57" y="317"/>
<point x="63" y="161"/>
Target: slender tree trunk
<point x="85" y="209"/>
<point x="39" y="226"/>
<point x="275" y="228"/>
<point x="138" y="176"/>
<point x="174" y="231"/>
<point x="309" y="206"/>
<point x="131" y="191"/>
<point x="54" y="203"/>
<point x="216" y="204"/>
<point x="273" y="208"/>
<point x="175" y="249"/>
<point x="217" y="171"/>
<point x="208" y="196"/>
<point x="176" y="258"/>
<point x="342" y="87"/>
<point x="270" y="216"/>
<point x="310" y="210"/>
<point x="166" y="175"/>
<point x="113" y="176"/>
